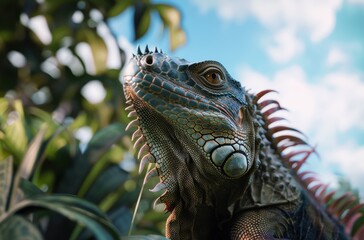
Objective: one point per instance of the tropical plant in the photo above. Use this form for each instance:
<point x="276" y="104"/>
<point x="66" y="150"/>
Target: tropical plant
<point x="65" y="160"/>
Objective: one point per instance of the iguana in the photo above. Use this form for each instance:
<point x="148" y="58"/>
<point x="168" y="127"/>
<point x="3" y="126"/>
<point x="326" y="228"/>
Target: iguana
<point x="227" y="165"/>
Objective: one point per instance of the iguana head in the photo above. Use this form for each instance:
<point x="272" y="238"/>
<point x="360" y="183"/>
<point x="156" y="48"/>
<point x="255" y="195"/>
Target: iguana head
<point x="193" y="120"/>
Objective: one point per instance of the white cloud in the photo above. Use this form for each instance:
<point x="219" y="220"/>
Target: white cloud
<point x="350" y="159"/>
<point x="285" y="46"/>
<point x="356" y="2"/>
<point x="293" y="90"/>
<point x="226" y="9"/>
<point x="315" y="17"/>
<point x="336" y="56"/>
<point x="325" y="111"/>
<point x="311" y="18"/>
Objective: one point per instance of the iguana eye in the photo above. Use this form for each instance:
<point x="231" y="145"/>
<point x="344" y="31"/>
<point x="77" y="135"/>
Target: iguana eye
<point x="213" y="77"/>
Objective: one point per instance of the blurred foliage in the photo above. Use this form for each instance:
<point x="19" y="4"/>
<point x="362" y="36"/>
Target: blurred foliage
<point x="56" y="140"/>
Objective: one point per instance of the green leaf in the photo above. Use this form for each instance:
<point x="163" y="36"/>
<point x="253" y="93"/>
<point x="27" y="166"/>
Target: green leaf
<point x="17" y="227"/>
<point x="108" y="181"/>
<point x="98" y="48"/>
<point x="120" y="7"/>
<point x="27" y="164"/>
<point x="97" y="147"/>
<point x="6" y="171"/>
<point x="15" y="138"/>
<point x="177" y="38"/>
<point x="70" y="200"/>
<point x="3" y="106"/>
<point x="141" y="19"/>
<point x="121" y="218"/>
<point x="29" y="189"/>
<point x="171" y="18"/>
<point x="75" y="209"/>
<point x="103" y="140"/>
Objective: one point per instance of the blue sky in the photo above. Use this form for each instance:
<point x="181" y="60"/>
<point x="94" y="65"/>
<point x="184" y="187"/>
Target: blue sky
<point x="311" y="51"/>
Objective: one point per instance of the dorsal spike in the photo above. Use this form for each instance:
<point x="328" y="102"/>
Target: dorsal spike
<point x="294" y="150"/>
<point x="259" y="95"/>
<point x="146" y="49"/>
<point x="161" y="51"/>
<point x="272" y="110"/>
<point x="294" y="139"/>
<point x="139" y="52"/>
<point x="277" y="129"/>
<point x="274" y="119"/>
<point x="352" y="212"/>
<point x="344" y="205"/>
<point x="156" y="50"/>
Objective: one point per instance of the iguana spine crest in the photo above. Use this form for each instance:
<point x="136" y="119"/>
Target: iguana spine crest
<point x="346" y="208"/>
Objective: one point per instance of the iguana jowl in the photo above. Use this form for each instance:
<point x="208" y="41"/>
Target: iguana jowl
<point x="226" y="167"/>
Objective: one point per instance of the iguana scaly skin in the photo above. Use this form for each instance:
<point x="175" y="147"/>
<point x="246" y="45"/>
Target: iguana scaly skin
<point x="221" y="167"/>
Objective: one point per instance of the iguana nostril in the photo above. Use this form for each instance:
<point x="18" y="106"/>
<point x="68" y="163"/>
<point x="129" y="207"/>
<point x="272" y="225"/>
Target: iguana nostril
<point x="149" y="60"/>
